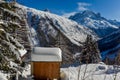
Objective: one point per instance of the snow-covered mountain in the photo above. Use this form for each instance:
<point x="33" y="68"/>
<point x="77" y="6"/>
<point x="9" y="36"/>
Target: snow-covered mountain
<point x="100" y="25"/>
<point x="50" y="30"/>
<point x="22" y="28"/>
<point x="47" y="21"/>
<point x="107" y="30"/>
<point x="110" y="46"/>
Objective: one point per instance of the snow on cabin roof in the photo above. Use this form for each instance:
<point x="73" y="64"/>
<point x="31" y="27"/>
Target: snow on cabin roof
<point x="46" y="54"/>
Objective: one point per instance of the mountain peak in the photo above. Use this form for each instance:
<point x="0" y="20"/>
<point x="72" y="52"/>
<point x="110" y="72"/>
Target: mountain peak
<point x="87" y="14"/>
<point x="100" y="25"/>
<point x="46" y="10"/>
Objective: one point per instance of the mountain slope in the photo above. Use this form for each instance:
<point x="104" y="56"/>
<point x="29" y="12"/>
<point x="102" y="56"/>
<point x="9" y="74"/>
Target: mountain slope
<point x="50" y="30"/>
<point x="69" y="28"/>
<point x="110" y="46"/>
<point x="95" y="22"/>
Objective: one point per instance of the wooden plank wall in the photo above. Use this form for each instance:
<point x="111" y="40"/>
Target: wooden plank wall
<point x="46" y="70"/>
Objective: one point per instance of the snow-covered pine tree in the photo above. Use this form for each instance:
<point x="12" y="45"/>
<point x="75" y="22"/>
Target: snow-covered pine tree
<point x="90" y="51"/>
<point x="10" y="57"/>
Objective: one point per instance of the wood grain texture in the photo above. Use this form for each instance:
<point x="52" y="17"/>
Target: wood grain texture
<point x="46" y="70"/>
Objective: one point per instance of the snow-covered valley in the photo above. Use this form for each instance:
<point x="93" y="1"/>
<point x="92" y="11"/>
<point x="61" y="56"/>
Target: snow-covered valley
<point x="92" y="72"/>
<point x="99" y="71"/>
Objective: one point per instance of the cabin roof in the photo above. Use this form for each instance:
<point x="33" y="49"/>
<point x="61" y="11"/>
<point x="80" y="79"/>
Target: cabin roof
<point x="46" y="54"/>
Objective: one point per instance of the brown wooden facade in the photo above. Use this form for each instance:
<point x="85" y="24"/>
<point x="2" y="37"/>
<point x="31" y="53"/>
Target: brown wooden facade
<point x="46" y="70"/>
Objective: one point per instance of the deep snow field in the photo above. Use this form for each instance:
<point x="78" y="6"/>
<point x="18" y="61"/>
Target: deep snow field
<point x="98" y="71"/>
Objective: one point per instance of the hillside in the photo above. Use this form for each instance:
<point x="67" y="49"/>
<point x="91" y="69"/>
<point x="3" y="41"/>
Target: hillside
<point x="110" y="47"/>
<point x="107" y="30"/>
<point x="50" y="30"/>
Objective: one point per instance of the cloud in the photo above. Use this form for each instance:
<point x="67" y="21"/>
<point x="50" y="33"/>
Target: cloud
<point x="68" y="14"/>
<point x="83" y="6"/>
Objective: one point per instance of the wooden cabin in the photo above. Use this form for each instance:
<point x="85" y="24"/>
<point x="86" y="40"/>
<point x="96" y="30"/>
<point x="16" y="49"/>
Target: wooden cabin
<point x="45" y="63"/>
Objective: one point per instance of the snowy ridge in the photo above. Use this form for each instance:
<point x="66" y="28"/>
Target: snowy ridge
<point x="76" y="33"/>
<point x="96" y="22"/>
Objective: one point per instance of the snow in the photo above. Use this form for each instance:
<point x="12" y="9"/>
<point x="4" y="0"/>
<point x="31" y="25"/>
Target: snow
<point x="76" y="55"/>
<point x="3" y="76"/>
<point x="11" y="48"/>
<point x="9" y="40"/>
<point x="13" y="65"/>
<point x="98" y="71"/>
<point x="26" y="71"/>
<point x="33" y="32"/>
<point x="2" y="1"/>
<point x="34" y="38"/>
<point x="15" y="23"/>
<point x="22" y="52"/>
<point x="72" y="30"/>
<point x="2" y="30"/>
<point x="11" y="12"/>
<point x="75" y="33"/>
<point x="95" y="22"/>
<point x="46" y="54"/>
<point x="92" y="72"/>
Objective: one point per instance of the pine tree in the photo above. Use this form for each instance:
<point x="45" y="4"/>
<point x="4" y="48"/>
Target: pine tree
<point x="90" y="52"/>
<point x="9" y="45"/>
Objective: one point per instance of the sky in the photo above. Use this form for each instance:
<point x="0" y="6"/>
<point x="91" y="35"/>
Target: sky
<point x="109" y="9"/>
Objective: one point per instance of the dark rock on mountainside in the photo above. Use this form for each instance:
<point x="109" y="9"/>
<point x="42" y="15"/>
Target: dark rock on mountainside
<point x="110" y="47"/>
